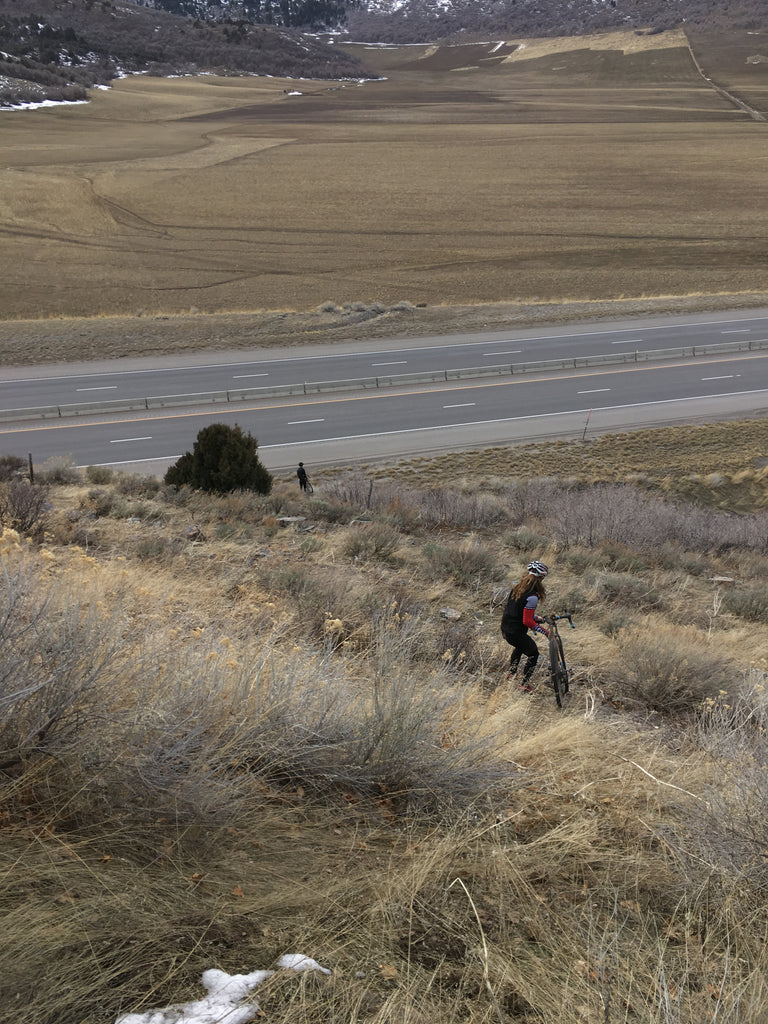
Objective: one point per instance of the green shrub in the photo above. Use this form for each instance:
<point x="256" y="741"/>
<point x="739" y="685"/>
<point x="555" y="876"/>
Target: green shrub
<point x="293" y="580"/>
<point x="456" y="646"/>
<point x="222" y="459"/>
<point x="330" y="512"/>
<point x="579" y="561"/>
<point x="157" y="548"/>
<point x="180" y="497"/>
<point x="310" y="545"/>
<point x="615" y="621"/>
<point x="572" y="600"/>
<point x="622" y="558"/>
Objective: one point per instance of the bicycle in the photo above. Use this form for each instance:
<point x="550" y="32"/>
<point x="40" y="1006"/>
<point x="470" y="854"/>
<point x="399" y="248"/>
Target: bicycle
<point x="558" y="670"/>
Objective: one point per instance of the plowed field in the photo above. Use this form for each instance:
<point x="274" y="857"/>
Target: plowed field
<point x="538" y="171"/>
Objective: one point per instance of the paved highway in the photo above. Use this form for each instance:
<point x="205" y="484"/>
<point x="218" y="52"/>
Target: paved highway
<point x="46" y="386"/>
<point x="362" y="427"/>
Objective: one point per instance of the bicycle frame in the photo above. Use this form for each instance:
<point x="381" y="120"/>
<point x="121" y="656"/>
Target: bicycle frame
<point x="558" y="670"/>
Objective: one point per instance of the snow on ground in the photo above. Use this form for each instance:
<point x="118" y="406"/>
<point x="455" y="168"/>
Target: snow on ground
<point x="224" y="1002"/>
<point x="43" y="103"/>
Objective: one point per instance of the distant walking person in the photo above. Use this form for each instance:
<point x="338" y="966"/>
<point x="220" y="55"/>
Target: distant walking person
<point x="301" y="473"/>
<point x="520" y="616"/>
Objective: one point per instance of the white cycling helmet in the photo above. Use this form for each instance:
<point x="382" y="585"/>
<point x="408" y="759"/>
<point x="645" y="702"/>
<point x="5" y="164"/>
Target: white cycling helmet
<point x="537" y="568"/>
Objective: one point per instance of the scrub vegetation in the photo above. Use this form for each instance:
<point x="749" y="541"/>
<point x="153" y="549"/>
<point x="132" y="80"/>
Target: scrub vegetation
<point x="237" y="725"/>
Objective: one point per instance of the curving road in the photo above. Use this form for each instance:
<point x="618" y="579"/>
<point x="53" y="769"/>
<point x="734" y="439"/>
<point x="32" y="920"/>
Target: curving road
<point x="358" y="427"/>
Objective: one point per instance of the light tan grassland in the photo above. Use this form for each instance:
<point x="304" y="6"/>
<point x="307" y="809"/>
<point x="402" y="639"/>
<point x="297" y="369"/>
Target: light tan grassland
<point x="623" y="42"/>
<point x="463" y="178"/>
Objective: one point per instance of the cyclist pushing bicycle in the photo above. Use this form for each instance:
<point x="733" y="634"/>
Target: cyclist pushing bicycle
<point x="520" y="616"/>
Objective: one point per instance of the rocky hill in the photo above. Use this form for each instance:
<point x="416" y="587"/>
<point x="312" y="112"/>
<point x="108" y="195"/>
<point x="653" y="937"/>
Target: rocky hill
<point x="426" y="20"/>
<point x="56" y="51"/>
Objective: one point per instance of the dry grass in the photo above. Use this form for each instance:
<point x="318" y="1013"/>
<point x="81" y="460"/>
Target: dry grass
<point x="226" y="745"/>
<point x="290" y="748"/>
<point x="624" y="42"/>
<point x="720" y="464"/>
<point x="126" y="205"/>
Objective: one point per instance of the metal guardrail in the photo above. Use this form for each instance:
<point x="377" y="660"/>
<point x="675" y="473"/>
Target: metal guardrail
<point x="368" y="383"/>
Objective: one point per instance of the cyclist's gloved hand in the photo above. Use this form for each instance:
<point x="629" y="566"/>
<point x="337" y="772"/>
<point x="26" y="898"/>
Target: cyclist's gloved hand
<point x="541" y="629"/>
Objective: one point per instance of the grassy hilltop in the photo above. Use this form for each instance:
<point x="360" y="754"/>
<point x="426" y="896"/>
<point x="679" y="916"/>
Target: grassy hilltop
<point x="227" y="736"/>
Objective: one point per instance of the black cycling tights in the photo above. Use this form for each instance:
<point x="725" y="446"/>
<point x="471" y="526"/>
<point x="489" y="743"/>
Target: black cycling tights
<point x="523" y="644"/>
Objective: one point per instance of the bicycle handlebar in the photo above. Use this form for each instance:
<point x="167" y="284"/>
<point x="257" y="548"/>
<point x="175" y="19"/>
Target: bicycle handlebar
<point x="556" y="618"/>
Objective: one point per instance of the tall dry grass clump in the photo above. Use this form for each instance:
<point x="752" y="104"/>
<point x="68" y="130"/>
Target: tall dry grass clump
<point x="669" y="669"/>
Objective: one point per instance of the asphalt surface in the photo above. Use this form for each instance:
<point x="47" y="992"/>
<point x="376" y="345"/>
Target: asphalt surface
<point x="353" y="426"/>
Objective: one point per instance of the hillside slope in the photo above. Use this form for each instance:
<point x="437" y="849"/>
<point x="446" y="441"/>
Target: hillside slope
<point x="55" y="51"/>
<point x="236" y="726"/>
<point x="425" y="20"/>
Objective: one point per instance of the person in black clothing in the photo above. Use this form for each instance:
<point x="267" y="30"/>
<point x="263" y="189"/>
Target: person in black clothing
<point x="520" y="616"/>
<point x="301" y="473"/>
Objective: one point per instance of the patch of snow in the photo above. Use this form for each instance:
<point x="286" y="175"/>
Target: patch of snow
<point x="225" y="995"/>
<point x="43" y="103"/>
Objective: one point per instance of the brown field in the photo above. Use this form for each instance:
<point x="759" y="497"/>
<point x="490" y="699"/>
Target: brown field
<point x="469" y="176"/>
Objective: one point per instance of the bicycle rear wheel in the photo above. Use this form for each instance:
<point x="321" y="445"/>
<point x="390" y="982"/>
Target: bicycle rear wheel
<point x="558" y="670"/>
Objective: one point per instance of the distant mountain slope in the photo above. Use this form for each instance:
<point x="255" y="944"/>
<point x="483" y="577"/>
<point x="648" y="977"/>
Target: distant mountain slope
<point x="57" y="50"/>
<point x="427" y="20"/>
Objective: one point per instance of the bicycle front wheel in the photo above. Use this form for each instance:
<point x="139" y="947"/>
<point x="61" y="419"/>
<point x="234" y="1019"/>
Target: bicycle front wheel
<point x="558" y="670"/>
